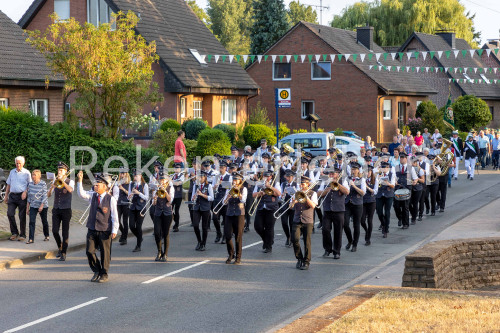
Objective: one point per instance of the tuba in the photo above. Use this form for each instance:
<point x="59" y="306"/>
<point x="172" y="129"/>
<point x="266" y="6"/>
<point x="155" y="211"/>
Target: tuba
<point x="288" y="149"/>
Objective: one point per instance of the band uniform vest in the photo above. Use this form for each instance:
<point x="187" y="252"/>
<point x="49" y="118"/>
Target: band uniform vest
<point x="201" y="203"/>
<point x="271" y="202"/>
<point x="62" y="198"/>
<point x="100" y="215"/>
<point x="386" y="191"/>
<point x="221" y="192"/>
<point x="303" y="213"/>
<point x="334" y="201"/>
<point x="402" y="178"/>
<point x="354" y="197"/>
<point x="122" y="196"/>
<point x="235" y="207"/>
<point x="138" y="203"/>
<point x="163" y="207"/>
<point x="177" y="188"/>
<point x="369" y="197"/>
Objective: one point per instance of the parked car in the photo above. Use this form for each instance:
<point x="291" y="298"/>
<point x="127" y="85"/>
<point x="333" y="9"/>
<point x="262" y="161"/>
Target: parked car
<point x="317" y="143"/>
<point x="351" y="134"/>
<point x="346" y="144"/>
<point x="3" y="185"/>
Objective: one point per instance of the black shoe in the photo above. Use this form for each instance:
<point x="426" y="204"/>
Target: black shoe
<point x="58" y="255"/>
<point x="354" y="248"/>
<point x="237" y="262"/>
<point x="198" y="247"/>
<point x="413" y="222"/>
<point x="228" y="261"/>
<point x="419" y="218"/>
<point x="433" y="214"/>
<point x="399" y="223"/>
<point x="287" y="242"/>
<point x="348" y="246"/>
<point x="336" y="256"/>
<point x="247" y="229"/>
<point x="63" y="257"/>
<point x="326" y="254"/>
<point x="468" y="176"/>
<point x="456" y="178"/>
<point x="268" y="250"/>
<point x="298" y="264"/>
<point x="406" y="226"/>
<point x="163" y="258"/>
<point x="217" y="239"/>
<point x="202" y="247"/>
<point x="426" y="212"/>
<point x="319" y="227"/>
<point x="176" y="230"/>
<point x="367" y="243"/>
<point x="137" y="249"/>
<point x="472" y="178"/>
<point x="441" y="210"/>
<point x="95" y="277"/>
<point x="304" y="266"/>
<point x="103" y="278"/>
<point x="380" y="228"/>
<point x="223" y="241"/>
<point x="123" y="241"/>
<point x="158" y="256"/>
<point x="385" y="235"/>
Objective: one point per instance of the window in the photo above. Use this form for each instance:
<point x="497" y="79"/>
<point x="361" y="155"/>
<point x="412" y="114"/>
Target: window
<point x="61" y="8"/>
<point x="197" y="109"/>
<point x="4" y="102"/>
<point x="67" y="107"/>
<point x="341" y="142"/>
<point x="282" y="71"/>
<point x="182" y="106"/>
<point x="228" y="112"/>
<point x="387" y="109"/>
<point x="308" y="143"/>
<point x="485" y="78"/>
<point x="307" y="108"/>
<point x="321" y="71"/>
<point x="40" y="107"/>
<point x="98" y="12"/>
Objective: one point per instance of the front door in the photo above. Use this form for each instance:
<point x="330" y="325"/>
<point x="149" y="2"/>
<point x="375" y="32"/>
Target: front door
<point x="401" y="114"/>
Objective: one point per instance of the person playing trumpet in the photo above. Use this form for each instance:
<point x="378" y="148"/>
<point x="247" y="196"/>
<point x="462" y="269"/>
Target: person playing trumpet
<point x="138" y="195"/>
<point x="354" y="206"/>
<point x="235" y="217"/>
<point x="120" y="192"/>
<point x="385" y="195"/>
<point x="61" y="210"/>
<point x="163" y="215"/>
<point x="303" y="223"/>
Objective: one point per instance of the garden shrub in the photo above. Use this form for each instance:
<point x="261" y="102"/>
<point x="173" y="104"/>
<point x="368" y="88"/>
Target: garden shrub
<point x="230" y="131"/>
<point x="170" y="124"/>
<point x="194" y="127"/>
<point x="211" y="141"/>
<point x="253" y="133"/>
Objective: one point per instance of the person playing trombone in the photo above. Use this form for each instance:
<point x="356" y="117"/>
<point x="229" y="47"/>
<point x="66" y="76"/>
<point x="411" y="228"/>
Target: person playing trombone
<point x="266" y="199"/>
<point x="303" y="223"/>
<point x="177" y="181"/>
<point x="138" y="196"/>
<point x="203" y="194"/>
<point x="234" y="200"/>
<point x="102" y="225"/>
<point x="120" y="192"/>
<point x="162" y="200"/>
<point x="61" y="211"/>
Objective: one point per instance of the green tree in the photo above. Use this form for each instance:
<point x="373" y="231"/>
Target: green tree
<point x="432" y="118"/>
<point x="231" y="23"/>
<point x="269" y="24"/>
<point x="470" y="112"/>
<point x="258" y="115"/>
<point x="395" y="20"/>
<point x="108" y="68"/>
<point x="300" y="12"/>
<point x="201" y="13"/>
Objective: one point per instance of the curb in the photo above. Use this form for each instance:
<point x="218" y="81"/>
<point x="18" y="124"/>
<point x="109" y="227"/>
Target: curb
<point x="37" y="256"/>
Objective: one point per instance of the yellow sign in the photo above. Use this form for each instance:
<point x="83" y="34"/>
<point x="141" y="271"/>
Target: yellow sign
<point x="284" y="98"/>
<point x="284" y="94"/>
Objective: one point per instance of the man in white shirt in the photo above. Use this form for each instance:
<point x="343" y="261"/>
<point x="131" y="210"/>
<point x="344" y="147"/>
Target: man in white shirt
<point x="16" y="195"/>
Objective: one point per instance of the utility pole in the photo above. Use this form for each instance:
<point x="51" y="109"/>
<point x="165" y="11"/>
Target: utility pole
<point x="321" y="7"/>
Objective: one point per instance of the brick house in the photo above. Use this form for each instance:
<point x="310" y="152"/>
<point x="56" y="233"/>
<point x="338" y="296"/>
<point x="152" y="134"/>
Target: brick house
<point x="447" y="41"/>
<point x="217" y="93"/>
<point x="23" y="72"/>
<point x="345" y="94"/>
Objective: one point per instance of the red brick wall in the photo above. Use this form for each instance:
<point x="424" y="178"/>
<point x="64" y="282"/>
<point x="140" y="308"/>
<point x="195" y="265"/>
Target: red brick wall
<point x="77" y="9"/>
<point x="388" y="127"/>
<point x="19" y="99"/>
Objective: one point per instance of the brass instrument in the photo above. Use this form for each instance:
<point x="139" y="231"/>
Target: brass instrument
<point x="299" y="196"/>
<point x="266" y="191"/>
<point x="59" y="182"/>
<point x="275" y="150"/>
<point x="288" y="149"/>
<point x="333" y="186"/>
<point x="234" y="193"/>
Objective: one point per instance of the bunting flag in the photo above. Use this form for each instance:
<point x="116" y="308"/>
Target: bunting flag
<point x="362" y="56"/>
<point x="302" y="57"/>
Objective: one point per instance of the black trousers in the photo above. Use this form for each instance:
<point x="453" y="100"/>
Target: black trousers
<point x="152" y="212"/>
<point x="204" y="217"/>
<point x="99" y="240"/>
<point x="441" y="197"/>
<point x="135" y="222"/>
<point x="433" y="188"/>
<point x="402" y="209"/>
<point x="306" y="229"/>
<point x="367" y="219"/>
<point x="384" y="205"/>
<point x="234" y="225"/>
<point x="356" y="211"/>
<point x="264" y="226"/>
<point x="287" y="221"/>
<point x="15" y="202"/>
<point x="414" y="202"/>
<point x="61" y="216"/>
<point x="162" y="225"/>
<point x="319" y="213"/>
<point x="424" y="200"/>
<point x="190" y="207"/>
<point x="216" y="217"/>
<point x="176" y="205"/>
<point x="337" y="220"/>
<point x="123" y="213"/>
<point x="248" y="204"/>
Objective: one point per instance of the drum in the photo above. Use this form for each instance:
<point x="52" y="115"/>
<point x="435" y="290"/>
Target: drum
<point x="402" y="194"/>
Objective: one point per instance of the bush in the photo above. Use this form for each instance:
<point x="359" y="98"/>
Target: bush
<point x="170" y="123"/>
<point x="432" y="118"/>
<point x="415" y="125"/>
<point x="422" y="107"/>
<point x="253" y="133"/>
<point x="185" y="123"/>
<point x="194" y="127"/>
<point x="239" y="142"/>
<point x="338" y="132"/>
<point x="470" y="112"/>
<point x="283" y="130"/>
<point x="230" y="131"/>
<point x="44" y="144"/>
<point x="258" y="116"/>
<point x="300" y="130"/>
<point x="164" y="142"/>
<point x="211" y="141"/>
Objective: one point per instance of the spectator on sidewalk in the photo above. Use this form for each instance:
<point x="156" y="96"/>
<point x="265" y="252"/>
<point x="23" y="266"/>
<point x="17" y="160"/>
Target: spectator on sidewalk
<point x="394" y="145"/>
<point x="368" y="143"/>
<point x="436" y="136"/>
<point x="495" y="146"/>
<point x="16" y="198"/>
<point x="180" y="150"/>
<point x="37" y="204"/>
<point x="409" y="136"/>
<point x="484" y="144"/>
<point x="427" y="138"/>
<point x="399" y="135"/>
<point x="419" y="141"/>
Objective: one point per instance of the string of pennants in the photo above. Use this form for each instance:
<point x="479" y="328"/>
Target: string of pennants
<point x="352" y="57"/>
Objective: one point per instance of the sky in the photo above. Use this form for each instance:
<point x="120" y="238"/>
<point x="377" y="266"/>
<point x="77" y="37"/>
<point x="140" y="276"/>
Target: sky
<point x="487" y="12"/>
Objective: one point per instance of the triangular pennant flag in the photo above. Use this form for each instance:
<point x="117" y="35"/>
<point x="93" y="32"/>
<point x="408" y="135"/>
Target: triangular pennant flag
<point x="401" y="54"/>
<point x="354" y="57"/>
<point x="449" y="80"/>
<point x="217" y="58"/>
<point x="252" y="58"/>
<point x="480" y="52"/>
<point x="460" y="69"/>
<point x="408" y="55"/>
<point x="259" y="58"/>
<point x="424" y="54"/>
<point x="347" y="55"/>
<point x="370" y="67"/>
<point x="471" y="52"/>
<point x="465" y="70"/>
<point x="393" y="68"/>
<point x="245" y="58"/>
<point x="475" y="69"/>
<point x="495" y="51"/>
<point x="488" y="51"/>
<point x="281" y="58"/>
<point x="310" y="57"/>
<point x="295" y="57"/>
<point x="464" y="53"/>
<point x="447" y="54"/>
<point x="265" y="57"/>
<point x="446" y="69"/>
<point x="231" y="57"/>
<point x="385" y="56"/>
<point x="302" y="57"/>
<point x="427" y="69"/>
<point x="362" y="56"/>
<point x="432" y="54"/>
<point x="407" y="68"/>
<point x="273" y="57"/>
<point x="223" y="57"/>
<point x="416" y="53"/>
<point x="339" y="56"/>
<point x="393" y="55"/>
<point x="324" y="57"/>
<point x="399" y="68"/>
<point x="495" y="80"/>
<point x="237" y="57"/>
<point x="481" y="69"/>
<point x="332" y="57"/>
<point x="379" y="68"/>
<point x="288" y="57"/>
<point x="370" y="56"/>
<point x="202" y="56"/>
<point x="455" y="69"/>
<point x="479" y="81"/>
<point x="377" y="56"/>
<point x="413" y="69"/>
<point x="418" y="68"/>
<point x="209" y="57"/>
<point x="453" y="80"/>
<point x="317" y="57"/>
<point x="440" y="53"/>
<point x="441" y="69"/>
<point x="495" y="70"/>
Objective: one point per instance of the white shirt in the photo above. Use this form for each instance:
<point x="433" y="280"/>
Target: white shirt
<point x="210" y="196"/>
<point x="145" y="191"/>
<point x="392" y="180"/>
<point x="19" y="180"/>
<point x="375" y="186"/>
<point x="361" y="186"/>
<point x="87" y="195"/>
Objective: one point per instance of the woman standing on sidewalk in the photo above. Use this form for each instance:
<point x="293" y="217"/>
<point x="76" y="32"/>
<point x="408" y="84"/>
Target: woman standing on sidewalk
<point x="138" y="195"/>
<point x="37" y="204"/>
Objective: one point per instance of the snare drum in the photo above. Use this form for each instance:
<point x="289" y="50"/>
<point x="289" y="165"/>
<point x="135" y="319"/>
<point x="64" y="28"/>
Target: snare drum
<point x="402" y="194"/>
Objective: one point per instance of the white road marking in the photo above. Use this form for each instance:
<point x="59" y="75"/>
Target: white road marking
<point x="250" y="245"/>
<point x="175" y="272"/>
<point x="55" y="315"/>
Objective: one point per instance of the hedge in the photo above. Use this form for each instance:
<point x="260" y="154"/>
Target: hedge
<point x="253" y="133"/>
<point x="170" y="124"/>
<point x="211" y="141"/>
<point x="44" y="145"/>
<point x="194" y="127"/>
<point x="229" y="130"/>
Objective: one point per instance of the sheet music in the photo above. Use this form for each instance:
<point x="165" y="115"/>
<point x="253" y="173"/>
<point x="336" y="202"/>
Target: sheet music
<point x="226" y="184"/>
<point x="51" y="176"/>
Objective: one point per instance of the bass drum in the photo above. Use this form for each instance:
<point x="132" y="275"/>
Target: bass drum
<point x="402" y="194"/>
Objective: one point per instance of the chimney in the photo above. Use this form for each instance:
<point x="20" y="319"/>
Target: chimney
<point x="448" y="36"/>
<point x="364" y="36"/>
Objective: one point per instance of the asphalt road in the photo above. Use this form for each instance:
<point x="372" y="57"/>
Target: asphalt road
<point x="197" y="292"/>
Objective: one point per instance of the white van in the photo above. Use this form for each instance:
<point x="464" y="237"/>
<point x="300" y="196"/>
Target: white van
<point x="316" y="143"/>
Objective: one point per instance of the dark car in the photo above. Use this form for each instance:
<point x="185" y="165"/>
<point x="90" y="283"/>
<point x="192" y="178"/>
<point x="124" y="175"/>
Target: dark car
<point x="3" y="185"/>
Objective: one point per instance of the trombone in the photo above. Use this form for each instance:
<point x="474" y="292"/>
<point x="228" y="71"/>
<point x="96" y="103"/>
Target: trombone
<point x="161" y="193"/>
<point x="332" y="186"/>
<point x="86" y="213"/>
<point x="299" y="196"/>
<point x="234" y="192"/>
<point x="267" y="191"/>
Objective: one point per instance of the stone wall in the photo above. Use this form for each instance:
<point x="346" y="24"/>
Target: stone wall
<point x="454" y="264"/>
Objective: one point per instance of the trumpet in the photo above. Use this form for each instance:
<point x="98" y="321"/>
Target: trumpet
<point x="332" y="186"/>
<point x="299" y="196"/>
<point x="59" y="182"/>
<point x="266" y="191"/>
